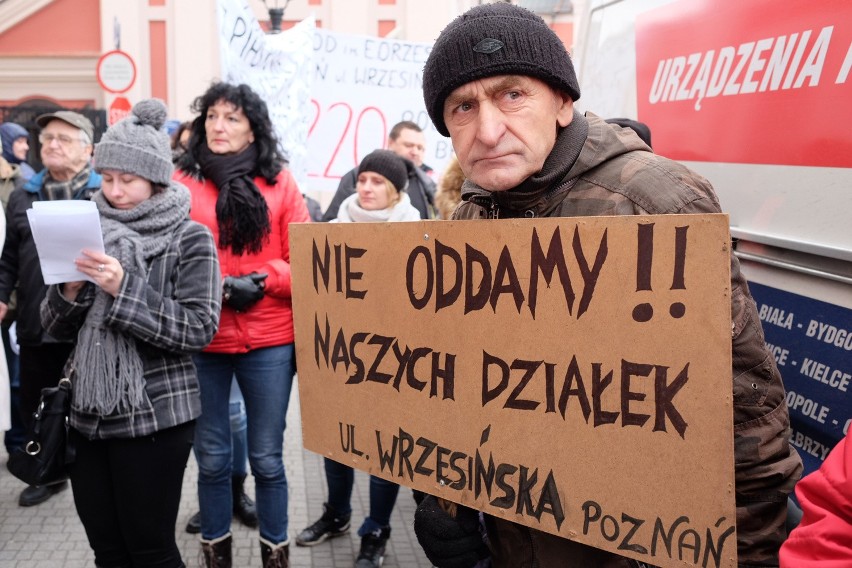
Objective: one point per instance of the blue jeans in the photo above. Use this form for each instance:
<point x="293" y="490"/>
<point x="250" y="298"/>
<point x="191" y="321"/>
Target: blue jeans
<point x="239" y="425"/>
<point x="383" y="494"/>
<point x="265" y="377"/>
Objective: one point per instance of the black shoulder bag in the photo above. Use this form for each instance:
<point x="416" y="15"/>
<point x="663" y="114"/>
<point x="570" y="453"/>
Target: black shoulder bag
<point x="46" y="452"/>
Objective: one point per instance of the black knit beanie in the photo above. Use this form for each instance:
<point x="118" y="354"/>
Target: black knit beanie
<point x="494" y="39"/>
<point x="388" y="164"/>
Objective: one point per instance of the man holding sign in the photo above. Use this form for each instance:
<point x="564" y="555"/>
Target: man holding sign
<point x="501" y="85"/>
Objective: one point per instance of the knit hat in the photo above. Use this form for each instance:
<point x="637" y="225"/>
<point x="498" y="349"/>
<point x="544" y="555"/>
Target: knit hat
<point x="75" y="119"/>
<point x="137" y="144"/>
<point x="640" y="128"/>
<point x="9" y="133"/>
<point x="494" y="39"/>
<point x="388" y="164"/>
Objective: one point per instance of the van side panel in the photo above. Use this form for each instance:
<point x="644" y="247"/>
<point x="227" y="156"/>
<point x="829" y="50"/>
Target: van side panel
<point x="756" y="97"/>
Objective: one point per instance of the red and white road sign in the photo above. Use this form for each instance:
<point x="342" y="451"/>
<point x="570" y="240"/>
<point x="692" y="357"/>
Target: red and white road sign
<point x="116" y="71"/>
<point x="118" y="109"/>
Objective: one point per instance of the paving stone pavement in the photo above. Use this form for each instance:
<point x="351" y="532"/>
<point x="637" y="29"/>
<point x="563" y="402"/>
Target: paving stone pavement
<point x="51" y="536"/>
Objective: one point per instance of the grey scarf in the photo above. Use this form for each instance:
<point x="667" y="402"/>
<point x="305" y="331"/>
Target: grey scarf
<point x="108" y="368"/>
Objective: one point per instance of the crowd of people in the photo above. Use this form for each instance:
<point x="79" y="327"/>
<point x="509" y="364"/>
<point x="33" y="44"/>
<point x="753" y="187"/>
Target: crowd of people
<point x="180" y="339"/>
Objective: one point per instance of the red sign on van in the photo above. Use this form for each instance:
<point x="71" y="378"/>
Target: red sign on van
<point x="748" y="82"/>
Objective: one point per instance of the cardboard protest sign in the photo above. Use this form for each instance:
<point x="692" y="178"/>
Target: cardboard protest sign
<point x="572" y="374"/>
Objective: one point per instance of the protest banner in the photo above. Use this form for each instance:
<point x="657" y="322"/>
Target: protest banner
<point x="572" y="375"/>
<point x="333" y="97"/>
<point x="362" y="86"/>
<point x="278" y="67"/>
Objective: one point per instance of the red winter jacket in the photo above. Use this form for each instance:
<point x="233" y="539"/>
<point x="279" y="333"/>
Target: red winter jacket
<point x="824" y="537"/>
<point x="270" y="321"/>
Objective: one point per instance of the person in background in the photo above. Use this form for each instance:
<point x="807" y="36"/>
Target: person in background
<point x="448" y="195"/>
<point x="152" y="301"/>
<point x="244" y="508"/>
<point x="243" y="505"/>
<point x="407" y="140"/>
<point x="16" y="144"/>
<point x="14" y="172"/>
<point x="314" y="208"/>
<point x="241" y="191"/>
<point x="823" y="538"/>
<point x="380" y="197"/>
<point x="180" y="139"/>
<point x="10" y="407"/>
<point x="509" y="110"/>
<point x="66" y="149"/>
<point x="640" y="128"/>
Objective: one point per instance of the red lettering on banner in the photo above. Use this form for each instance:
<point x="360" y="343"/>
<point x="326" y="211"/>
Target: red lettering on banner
<point x="748" y="83"/>
<point x="339" y="129"/>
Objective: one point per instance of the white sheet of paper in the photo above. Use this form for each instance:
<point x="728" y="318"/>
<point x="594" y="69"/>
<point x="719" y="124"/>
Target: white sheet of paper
<point x="61" y="230"/>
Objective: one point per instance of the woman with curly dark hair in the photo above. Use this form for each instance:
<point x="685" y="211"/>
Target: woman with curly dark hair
<point x="240" y="190"/>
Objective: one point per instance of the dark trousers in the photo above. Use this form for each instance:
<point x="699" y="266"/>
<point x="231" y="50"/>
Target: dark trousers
<point x="14" y="437"/>
<point x="127" y="494"/>
<point x="40" y="367"/>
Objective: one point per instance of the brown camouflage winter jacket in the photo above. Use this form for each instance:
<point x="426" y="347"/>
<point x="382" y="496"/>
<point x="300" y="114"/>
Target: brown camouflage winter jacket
<point x="596" y="169"/>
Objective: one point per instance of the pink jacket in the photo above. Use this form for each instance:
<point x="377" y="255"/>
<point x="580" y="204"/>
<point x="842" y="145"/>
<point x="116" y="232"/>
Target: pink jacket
<point x="270" y="321"/>
<point x="824" y="537"/>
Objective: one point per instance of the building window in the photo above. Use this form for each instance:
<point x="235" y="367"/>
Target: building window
<point x="386" y="27"/>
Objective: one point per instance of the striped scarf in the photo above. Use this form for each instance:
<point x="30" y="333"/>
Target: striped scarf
<point x="57" y="190"/>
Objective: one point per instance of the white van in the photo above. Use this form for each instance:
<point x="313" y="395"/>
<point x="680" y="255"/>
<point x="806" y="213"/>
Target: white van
<point x="755" y="95"/>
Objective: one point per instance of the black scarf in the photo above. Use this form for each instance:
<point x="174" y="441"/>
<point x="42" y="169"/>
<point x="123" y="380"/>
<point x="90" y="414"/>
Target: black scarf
<point x="241" y="209"/>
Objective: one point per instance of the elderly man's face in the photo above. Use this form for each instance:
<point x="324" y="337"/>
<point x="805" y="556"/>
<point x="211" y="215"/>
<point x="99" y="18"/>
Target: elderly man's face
<point x="504" y="127"/>
<point x="63" y="152"/>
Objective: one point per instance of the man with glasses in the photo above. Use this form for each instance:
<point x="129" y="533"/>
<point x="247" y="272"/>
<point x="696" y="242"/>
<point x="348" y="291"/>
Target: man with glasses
<point x="66" y="150"/>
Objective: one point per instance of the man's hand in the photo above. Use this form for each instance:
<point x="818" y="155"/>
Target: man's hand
<point x="242" y="292"/>
<point x="449" y="541"/>
<point x="4" y="309"/>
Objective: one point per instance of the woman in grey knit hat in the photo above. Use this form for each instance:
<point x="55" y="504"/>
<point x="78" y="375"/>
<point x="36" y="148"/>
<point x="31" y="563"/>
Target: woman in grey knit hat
<point x="137" y="314"/>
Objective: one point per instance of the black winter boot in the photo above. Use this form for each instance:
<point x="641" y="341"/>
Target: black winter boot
<point x="244" y="508"/>
<point x="372" y="553"/>
<point x="217" y="552"/>
<point x="275" y="555"/>
<point x="330" y="525"/>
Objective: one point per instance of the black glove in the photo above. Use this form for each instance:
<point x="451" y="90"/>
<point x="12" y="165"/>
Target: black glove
<point x="242" y="292"/>
<point x="449" y="542"/>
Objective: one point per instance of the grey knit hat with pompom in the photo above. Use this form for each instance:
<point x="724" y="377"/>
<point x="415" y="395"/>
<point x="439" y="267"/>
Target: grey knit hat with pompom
<point x="137" y="144"/>
<point x="489" y="40"/>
